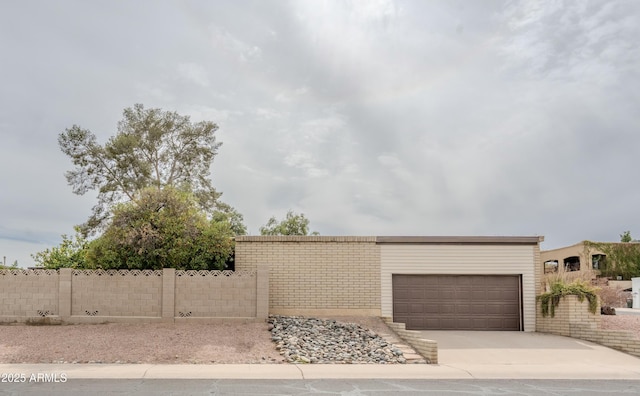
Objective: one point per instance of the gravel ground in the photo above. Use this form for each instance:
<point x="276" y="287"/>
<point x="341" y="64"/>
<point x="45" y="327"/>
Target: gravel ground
<point x="621" y="322"/>
<point x="172" y="343"/>
<point x="312" y="340"/>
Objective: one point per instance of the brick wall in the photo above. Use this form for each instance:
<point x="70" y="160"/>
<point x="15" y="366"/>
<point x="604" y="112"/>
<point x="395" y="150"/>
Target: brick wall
<point x="88" y="296"/>
<point x="568" y="312"/>
<point x="573" y="319"/>
<point x="316" y="275"/>
<point x="427" y="348"/>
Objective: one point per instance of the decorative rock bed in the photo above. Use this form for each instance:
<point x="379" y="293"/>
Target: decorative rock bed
<point x="310" y="340"/>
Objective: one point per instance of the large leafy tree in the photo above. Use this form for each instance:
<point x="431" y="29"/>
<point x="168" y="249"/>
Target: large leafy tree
<point x="292" y="224"/>
<point x="71" y="253"/>
<point x="151" y="148"/>
<point x="162" y="228"/>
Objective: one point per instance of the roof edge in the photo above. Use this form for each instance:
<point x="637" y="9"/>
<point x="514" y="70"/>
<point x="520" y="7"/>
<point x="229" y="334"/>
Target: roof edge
<point x="461" y="240"/>
<point x="425" y="240"/>
<point x="303" y="238"/>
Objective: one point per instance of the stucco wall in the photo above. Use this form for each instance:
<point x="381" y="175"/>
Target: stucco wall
<point x="578" y="250"/>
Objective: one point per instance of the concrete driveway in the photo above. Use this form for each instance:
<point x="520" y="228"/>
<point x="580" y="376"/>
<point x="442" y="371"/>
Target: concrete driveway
<point x="516" y="347"/>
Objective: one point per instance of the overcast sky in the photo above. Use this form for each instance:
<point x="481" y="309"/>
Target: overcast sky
<point x="370" y="117"/>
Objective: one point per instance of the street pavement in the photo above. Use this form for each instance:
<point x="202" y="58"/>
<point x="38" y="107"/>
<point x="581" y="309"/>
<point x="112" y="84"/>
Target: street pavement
<point x="329" y="387"/>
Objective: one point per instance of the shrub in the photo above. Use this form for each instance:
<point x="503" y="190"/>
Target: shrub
<point x="163" y="228"/>
<point x="71" y="253"/>
<point x="613" y="296"/>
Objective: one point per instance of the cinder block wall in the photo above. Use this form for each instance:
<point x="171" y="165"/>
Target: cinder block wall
<point x="316" y="275"/>
<point x="28" y="293"/>
<point x="215" y="293"/>
<point x="116" y="293"/>
<point x="96" y="296"/>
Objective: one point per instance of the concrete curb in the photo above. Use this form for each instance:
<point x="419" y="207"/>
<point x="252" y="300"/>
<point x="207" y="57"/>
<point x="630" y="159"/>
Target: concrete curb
<point x="318" y="371"/>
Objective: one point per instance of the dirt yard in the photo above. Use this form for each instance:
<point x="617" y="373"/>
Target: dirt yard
<point x="171" y="343"/>
<point x="147" y="343"/>
<point x="621" y="322"/>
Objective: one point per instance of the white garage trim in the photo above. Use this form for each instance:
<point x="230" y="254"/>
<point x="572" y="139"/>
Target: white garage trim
<point x="461" y="259"/>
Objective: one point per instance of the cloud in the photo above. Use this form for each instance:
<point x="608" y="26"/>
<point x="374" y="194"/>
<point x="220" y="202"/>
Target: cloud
<point x="306" y="162"/>
<point x="377" y="117"/>
<point x="194" y="73"/>
<point x="207" y="113"/>
<point x="571" y="41"/>
<point x="268" y="114"/>
<point x="240" y="50"/>
<point x="291" y="95"/>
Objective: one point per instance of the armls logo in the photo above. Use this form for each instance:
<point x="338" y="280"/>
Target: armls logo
<point x="46" y="377"/>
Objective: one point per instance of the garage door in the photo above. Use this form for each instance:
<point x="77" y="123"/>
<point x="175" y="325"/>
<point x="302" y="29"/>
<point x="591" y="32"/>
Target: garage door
<point x="457" y="302"/>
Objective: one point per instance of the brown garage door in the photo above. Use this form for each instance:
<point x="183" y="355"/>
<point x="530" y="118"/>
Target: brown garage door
<point x="457" y="302"/>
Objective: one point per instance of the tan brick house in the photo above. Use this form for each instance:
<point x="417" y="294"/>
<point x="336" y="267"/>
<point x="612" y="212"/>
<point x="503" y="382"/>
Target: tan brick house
<point x="463" y="283"/>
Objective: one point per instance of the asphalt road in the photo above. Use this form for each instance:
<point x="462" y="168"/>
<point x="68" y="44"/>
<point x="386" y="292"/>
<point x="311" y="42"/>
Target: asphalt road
<point x="325" y="387"/>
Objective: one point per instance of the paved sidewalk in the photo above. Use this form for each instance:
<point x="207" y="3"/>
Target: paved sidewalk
<point x="549" y="370"/>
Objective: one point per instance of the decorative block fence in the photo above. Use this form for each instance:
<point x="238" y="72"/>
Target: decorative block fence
<point x="91" y="296"/>
<point x="573" y="319"/>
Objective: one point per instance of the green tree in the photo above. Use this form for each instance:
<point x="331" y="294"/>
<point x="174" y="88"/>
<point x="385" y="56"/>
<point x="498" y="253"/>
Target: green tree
<point x="12" y="267"/>
<point x="621" y="259"/>
<point x="626" y="237"/>
<point x="162" y="228"/>
<point x="151" y="148"/>
<point x="71" y="253"/>
<point x="293" y="224"/>
<point x="231" y="216"/>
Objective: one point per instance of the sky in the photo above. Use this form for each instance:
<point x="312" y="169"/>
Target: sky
<point x="372" y="118"/>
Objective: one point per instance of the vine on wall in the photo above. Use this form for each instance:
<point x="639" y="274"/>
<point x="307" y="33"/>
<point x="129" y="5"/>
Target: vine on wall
<point x="550" y="300"/>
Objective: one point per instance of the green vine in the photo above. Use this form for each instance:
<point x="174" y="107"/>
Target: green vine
<point x="558" y="289"/>
<point x="621" y="258"/>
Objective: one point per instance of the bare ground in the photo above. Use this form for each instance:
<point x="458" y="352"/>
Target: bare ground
<point x="179" y="343"/>
<point x="138" y="343"/>
<point x="621" y="322"/>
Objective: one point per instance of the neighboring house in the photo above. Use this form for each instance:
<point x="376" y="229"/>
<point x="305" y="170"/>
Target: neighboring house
<point x="445" y="283"/>
<point x="577" y="259"/>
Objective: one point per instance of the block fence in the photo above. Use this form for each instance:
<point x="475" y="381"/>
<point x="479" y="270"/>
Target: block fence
<point x="94" y="296"/>
<point x="573" y="319"/>
<point x="316" y="275"/>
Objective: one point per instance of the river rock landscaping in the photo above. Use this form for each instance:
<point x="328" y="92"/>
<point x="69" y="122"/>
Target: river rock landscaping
<point x="310" y="340"/>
